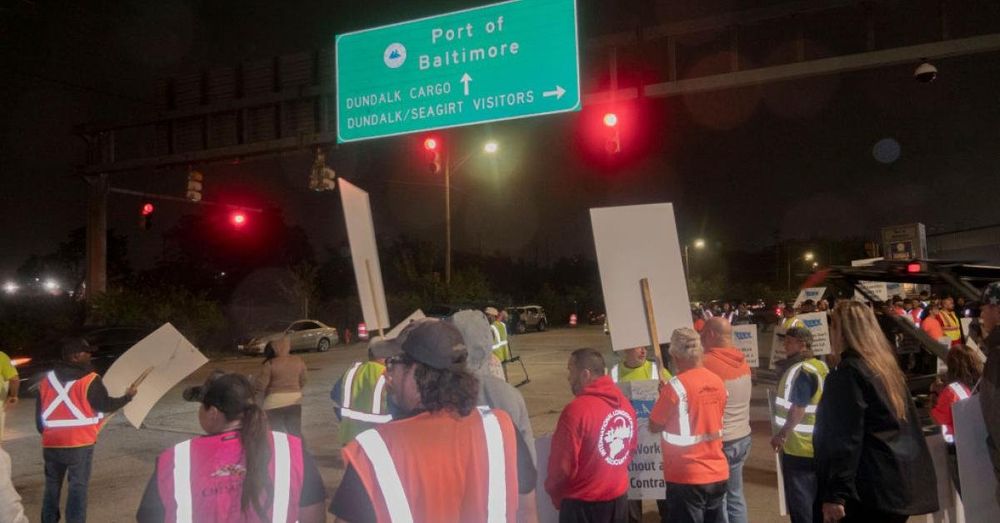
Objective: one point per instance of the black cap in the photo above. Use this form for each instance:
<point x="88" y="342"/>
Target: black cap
<point x="800" y="333"/>
<point x="231" y="393"/>
<point x="429" y="341"/>
<point x="71" y="346"/>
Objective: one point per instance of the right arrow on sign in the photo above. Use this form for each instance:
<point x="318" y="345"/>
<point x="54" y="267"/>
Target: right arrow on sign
<point x="465" y="80"/>
<point x="558" y="92"/>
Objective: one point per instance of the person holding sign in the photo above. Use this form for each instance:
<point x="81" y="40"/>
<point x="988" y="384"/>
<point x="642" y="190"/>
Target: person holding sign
<point x="635" y="367"/>
<point x="728" y="363"/>
<point x="592" y="446"/>
<point x="872" y="461"/>
<point x="70" y="412"/>
<point x="689" y="415"/>
<point x="799" y="391"/>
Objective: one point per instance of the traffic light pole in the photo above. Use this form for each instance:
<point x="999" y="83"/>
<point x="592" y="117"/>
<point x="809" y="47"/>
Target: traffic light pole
<point x="447" y="214"/>
<point x="153" y="196"/>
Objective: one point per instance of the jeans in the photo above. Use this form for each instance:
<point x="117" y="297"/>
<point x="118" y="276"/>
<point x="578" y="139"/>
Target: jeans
<point x="696" y="503"/>
<point x="58" y="462"/>
<point x="736" y="452"/>
<point x="801" y="488"/>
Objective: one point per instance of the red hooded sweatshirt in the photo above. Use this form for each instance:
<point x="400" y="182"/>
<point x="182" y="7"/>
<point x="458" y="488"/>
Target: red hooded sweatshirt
<point x="592" y="446"/>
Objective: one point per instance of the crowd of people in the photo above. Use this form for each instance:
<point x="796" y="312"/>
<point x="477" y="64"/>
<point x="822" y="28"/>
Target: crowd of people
<point x="431" y="431"/>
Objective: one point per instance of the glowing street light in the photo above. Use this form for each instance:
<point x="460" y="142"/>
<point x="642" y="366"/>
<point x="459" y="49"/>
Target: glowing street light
<point x="809" y="256"/>
<point x="51" y="285"/>
<point x="699" y="243"/>
<point x="491" y="147"/>
<point x="10" y="287"/>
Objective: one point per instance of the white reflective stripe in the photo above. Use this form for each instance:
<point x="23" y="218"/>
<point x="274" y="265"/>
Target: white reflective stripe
<point x="948" y="438"/>
<point x="614" y="373"/>
<point x="349" y="385"/>
<point x="282" y="477"/>
<point x="655" y="375"/>
<point x="496" y="337"/>
<point x="62" y="397"/>
<point x="182" y="481"/>
<point x="497" y="490"/>
<point x="787" y="404"/>
<point x="959" y="390"/>
<point x="801" y="427"/>
<point x="793" y="371"/>
<point x="357" y="415"/>
<point x="386" y="476"/>
<point x="377" y="397"/>
<point x="685" y="439"/>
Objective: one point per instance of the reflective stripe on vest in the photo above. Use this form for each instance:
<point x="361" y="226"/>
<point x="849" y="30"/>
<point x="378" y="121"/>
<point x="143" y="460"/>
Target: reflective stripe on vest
<point x="783" y="399"/>
<point x="496" y="337"/>
<point x="685" y="439"/>
<point x="653" y="374"/>
<point x="62" y="398"/>
<point x="282" y="479"/>
<point x="396" y="501"/>
<point x="961" y="392"/>
<point x="347" y="412"/>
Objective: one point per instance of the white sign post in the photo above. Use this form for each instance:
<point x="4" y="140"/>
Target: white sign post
<point x="636" y="242"/>
<point x="364" y="255"/>
<point x="745" y="339"/>
<point x="170" y="356"/>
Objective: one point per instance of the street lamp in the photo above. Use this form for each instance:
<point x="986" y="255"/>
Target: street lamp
<point x="698" y="243"/>
<point x="809" y="256"/>
<point x="431" y="144"/>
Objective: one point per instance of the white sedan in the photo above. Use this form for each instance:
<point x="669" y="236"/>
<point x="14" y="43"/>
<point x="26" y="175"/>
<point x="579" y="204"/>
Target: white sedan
<point x="304" y="335"/>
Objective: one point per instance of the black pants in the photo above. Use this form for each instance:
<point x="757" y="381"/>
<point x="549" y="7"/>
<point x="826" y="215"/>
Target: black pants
<point x="635" y="510"/>
<point x="858" y="513"/>
<point x="286" y="419"/>
<point x="801" y="488"/>
<point x="953" y="469"/>
<point x="696" y="503"/>
<point x="577" y="511"/>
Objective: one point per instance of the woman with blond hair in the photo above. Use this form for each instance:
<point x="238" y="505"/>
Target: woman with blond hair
<point x="871" y="457"/>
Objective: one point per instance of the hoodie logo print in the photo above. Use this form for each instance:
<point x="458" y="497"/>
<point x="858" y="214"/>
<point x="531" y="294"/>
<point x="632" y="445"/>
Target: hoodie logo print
<point x="616" y="431"/>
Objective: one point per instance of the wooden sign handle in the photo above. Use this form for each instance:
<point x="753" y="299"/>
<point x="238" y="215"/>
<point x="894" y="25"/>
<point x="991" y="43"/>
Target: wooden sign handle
<point x="371" y="289"/>
<point x="654" y="338"/>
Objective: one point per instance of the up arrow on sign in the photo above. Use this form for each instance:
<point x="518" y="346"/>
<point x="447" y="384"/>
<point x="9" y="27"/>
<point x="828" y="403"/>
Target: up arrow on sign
<point x="465" y="80"/>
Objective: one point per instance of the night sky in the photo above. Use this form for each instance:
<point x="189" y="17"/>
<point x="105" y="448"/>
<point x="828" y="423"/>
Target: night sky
<point x="744" y="167"/>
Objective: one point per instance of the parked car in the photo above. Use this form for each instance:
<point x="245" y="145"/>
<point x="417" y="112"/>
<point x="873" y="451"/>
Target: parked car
<point x="304" y="335"/>
<point x="524" y="317"/>
<point x="108" y="342"/>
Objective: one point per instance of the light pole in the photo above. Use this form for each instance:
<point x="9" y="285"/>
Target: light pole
<point x="490" y="147"/>
<point x="808" y="256"/>
<point x="698" y="243"/>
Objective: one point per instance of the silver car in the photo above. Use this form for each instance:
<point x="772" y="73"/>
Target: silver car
<point x="304" y="335"/>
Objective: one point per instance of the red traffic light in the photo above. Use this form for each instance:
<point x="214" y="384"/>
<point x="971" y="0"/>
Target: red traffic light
<point x="913" y="267"/>
<point x="147" y="209"/>
<point x="238" y="218"/>
<point x="610" y="119"/>
<point x="431" y="144"/>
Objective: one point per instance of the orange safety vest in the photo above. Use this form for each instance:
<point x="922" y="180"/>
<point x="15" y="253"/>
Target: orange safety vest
<point x="692" y="439"/>
<point x="952" y="329"/>
<point x="68" y="419"/>
<point x="439" y="467"/>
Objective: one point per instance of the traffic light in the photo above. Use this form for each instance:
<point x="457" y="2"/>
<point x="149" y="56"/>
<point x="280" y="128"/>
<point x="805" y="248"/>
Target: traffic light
<point x="194" y="186"/>
<point x="238" y="219"/>
<point x="434" y="151"/>
<point x="322" y="177"/>
<point x="614" y="143"/>
<point x="146" y="216"/>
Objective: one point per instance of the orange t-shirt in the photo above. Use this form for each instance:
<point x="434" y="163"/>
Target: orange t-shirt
<point x="932" y="326"/>
<point x="703" y="462"/>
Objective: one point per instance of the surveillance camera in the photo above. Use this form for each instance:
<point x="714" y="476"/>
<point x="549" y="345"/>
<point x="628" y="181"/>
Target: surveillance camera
<point x="925" y="72"/>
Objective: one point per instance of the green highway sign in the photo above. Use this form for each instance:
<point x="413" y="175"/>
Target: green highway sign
<point x="501" y="61"/>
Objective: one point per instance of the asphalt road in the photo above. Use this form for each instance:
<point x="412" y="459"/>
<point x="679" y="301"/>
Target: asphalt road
<point x="124" y="456"/>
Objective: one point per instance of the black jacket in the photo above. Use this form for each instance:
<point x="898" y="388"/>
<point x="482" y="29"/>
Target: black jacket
<point x="863" y="453"/>
<point x="97" y="394"/>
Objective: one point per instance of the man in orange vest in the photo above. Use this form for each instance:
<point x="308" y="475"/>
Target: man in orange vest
<point x="949" y="322"/>
<point x="688" y="415"/>
<point x="441" y="458"/>
<point x="71" y="408"/>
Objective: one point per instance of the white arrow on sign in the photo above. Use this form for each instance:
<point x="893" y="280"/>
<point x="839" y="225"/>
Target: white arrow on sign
<point x="465" y="80"/>
<point x="557" y="92"/>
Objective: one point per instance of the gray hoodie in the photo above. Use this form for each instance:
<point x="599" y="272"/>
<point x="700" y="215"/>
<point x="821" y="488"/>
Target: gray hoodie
<point x="493" y="392"/>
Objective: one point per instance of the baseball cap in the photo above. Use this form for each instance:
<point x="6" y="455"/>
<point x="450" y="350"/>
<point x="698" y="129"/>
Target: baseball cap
<point x="800" y="333"/>
<point x="71" y="346"/>
<point x="430" y="341"/>
<point x="991" y="294"/>
<point x="492" y="311"/>
<point x="228" y="392"/>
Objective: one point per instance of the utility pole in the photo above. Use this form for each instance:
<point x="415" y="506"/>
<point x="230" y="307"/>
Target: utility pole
<point x="97" y="236"/>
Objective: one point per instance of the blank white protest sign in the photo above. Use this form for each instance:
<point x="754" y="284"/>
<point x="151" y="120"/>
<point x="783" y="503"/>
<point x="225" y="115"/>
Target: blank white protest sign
<point x="361" y="235"/>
